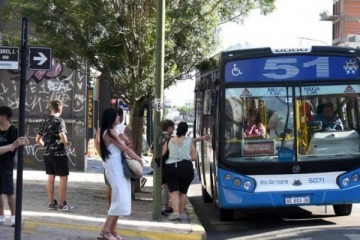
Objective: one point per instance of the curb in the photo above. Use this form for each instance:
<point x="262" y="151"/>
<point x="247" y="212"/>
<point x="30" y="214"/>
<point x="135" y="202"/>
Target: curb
<point x="196" y="227"/>
<point x="32" y="227"/>
<point x="197" y="230"/>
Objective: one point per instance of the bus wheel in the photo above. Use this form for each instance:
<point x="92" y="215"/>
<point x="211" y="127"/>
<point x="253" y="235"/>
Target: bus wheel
<point x="206" y="196"/>
<point x="342" y="209"/>
<point x="225" y="215"/>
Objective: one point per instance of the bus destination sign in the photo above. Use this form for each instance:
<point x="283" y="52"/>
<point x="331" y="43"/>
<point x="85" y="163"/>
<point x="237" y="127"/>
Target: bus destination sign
<point x="258" y="148"/>
<point x="292" y="68"/>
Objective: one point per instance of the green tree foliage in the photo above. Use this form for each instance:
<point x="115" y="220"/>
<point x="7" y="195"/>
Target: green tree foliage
<point x="117" y="37"/>
<point x="185" y="111"/>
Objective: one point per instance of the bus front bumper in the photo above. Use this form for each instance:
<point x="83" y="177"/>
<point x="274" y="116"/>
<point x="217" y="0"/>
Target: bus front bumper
<point x="232" y="199"/>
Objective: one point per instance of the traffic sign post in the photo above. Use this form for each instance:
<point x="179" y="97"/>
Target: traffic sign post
<point x="22" y="97"/>
<point x="40" y="58"/>
<point x="9" y="58"/>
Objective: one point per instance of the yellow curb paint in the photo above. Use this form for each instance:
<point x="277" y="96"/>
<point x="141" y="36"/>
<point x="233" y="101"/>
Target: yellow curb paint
<point x="31" y="226"/>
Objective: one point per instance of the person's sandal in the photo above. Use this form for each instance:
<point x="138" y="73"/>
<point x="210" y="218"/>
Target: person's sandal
<point x="106" y="236"/>
<point x="117" y="236"/>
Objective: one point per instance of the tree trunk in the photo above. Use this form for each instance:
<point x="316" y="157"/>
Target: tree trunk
<point x="136" y="124"/>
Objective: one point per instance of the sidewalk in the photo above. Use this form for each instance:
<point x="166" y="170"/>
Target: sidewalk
<point x="86" y="192"/>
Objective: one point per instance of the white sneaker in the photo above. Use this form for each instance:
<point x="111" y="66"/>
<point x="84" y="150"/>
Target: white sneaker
<point x="184" y="216"/>
<point x="174" y="216"/>
<point x="12" y="220"/>
<point x="2" y="220"/>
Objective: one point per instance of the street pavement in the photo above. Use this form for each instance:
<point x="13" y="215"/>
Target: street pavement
<point x="307" y="223"/>
<point x="86" y="192"/>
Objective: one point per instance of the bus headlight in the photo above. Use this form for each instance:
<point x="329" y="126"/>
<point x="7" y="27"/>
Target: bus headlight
<point x="355" y="177"/>
<point x="345" y="182"/>
<point x="247" y="185"/>
<point x="237" y="182"/>
<point x="227" y="176"/>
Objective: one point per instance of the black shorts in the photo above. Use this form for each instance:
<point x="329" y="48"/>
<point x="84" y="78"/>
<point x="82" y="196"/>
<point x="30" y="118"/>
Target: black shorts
<point x="58" y="166"/>
<point x="6" y="182"/>
<point x="179" y="176"/>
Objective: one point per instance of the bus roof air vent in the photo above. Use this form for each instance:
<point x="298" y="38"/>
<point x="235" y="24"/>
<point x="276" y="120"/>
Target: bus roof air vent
<point x="290" y="50"/>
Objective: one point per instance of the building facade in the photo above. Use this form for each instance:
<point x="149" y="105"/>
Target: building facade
<point x="345" y="18"/>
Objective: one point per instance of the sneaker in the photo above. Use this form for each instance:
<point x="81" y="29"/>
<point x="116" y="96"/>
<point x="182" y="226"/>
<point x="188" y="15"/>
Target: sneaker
<point x="66" y="207"/>
<point x="53" y="206"/>
<point x="2" y="220"/>
<point x="13" y="221"/>
<point x="174" y="216"/>
<point x="184" y="216"/>
<point x="167" y="212"/>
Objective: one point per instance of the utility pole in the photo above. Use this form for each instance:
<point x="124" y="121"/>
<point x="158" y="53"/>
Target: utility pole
<point x="158" y="105"/>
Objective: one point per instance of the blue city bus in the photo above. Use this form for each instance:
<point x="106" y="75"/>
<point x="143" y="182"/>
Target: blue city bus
<point x="284" y="127"/>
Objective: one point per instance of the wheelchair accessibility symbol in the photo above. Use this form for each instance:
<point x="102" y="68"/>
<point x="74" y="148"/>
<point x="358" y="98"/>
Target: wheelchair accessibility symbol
<point x="236" y="71"/>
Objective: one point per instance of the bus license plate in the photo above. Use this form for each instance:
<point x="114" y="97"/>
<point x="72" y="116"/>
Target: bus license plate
<point x="297" y="200"/>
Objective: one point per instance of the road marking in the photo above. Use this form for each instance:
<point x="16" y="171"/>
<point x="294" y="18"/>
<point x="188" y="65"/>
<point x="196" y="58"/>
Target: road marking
<point x="32" y="226"/>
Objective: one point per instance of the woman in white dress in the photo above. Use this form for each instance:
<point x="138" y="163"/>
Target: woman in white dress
<point x="111" y="147"/>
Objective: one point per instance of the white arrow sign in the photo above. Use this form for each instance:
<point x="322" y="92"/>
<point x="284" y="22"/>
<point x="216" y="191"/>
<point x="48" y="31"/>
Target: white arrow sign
<point x="41" y="58"/>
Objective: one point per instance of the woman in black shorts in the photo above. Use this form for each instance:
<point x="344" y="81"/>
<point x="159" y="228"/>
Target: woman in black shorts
<point x="179" y="171"/>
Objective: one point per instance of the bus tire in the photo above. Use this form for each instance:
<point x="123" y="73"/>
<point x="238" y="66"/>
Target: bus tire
<point x="225" y="215"/>
<point x="206" y="196"/>
<point x="342" y="209"/>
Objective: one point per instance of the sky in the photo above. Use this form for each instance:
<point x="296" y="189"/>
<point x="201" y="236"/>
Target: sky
<point x="291" y="24"/>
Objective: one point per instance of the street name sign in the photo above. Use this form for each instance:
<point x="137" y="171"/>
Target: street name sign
<point x="9" y="58"/>
<point x="39" y="59"/>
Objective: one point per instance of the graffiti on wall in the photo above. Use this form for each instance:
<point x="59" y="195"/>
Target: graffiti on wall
<point x="35" y="152"/>
<point x="42" y="87"/>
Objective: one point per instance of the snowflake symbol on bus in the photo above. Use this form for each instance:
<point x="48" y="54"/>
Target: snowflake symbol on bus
<point x="351" y="67"/>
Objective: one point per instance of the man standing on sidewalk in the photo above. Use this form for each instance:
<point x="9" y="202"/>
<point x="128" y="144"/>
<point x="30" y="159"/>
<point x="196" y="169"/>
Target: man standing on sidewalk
<point x="8" y="134"/>
<point x="52" y="135"/>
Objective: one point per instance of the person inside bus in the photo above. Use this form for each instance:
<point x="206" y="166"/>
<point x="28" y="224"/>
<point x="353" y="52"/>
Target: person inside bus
<point x="257" y="130"/>
<point x="328" y="118"/>
<point x="307" y="111"/>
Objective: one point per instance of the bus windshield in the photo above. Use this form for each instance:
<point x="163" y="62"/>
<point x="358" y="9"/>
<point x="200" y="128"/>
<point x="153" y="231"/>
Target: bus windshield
<point x="328" y="122"/>
<point x="270" y="124"/>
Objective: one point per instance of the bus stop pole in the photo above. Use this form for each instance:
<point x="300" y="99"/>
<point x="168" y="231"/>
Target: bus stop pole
<point x="19" y="178"/>
<point x="158" y="105"/>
